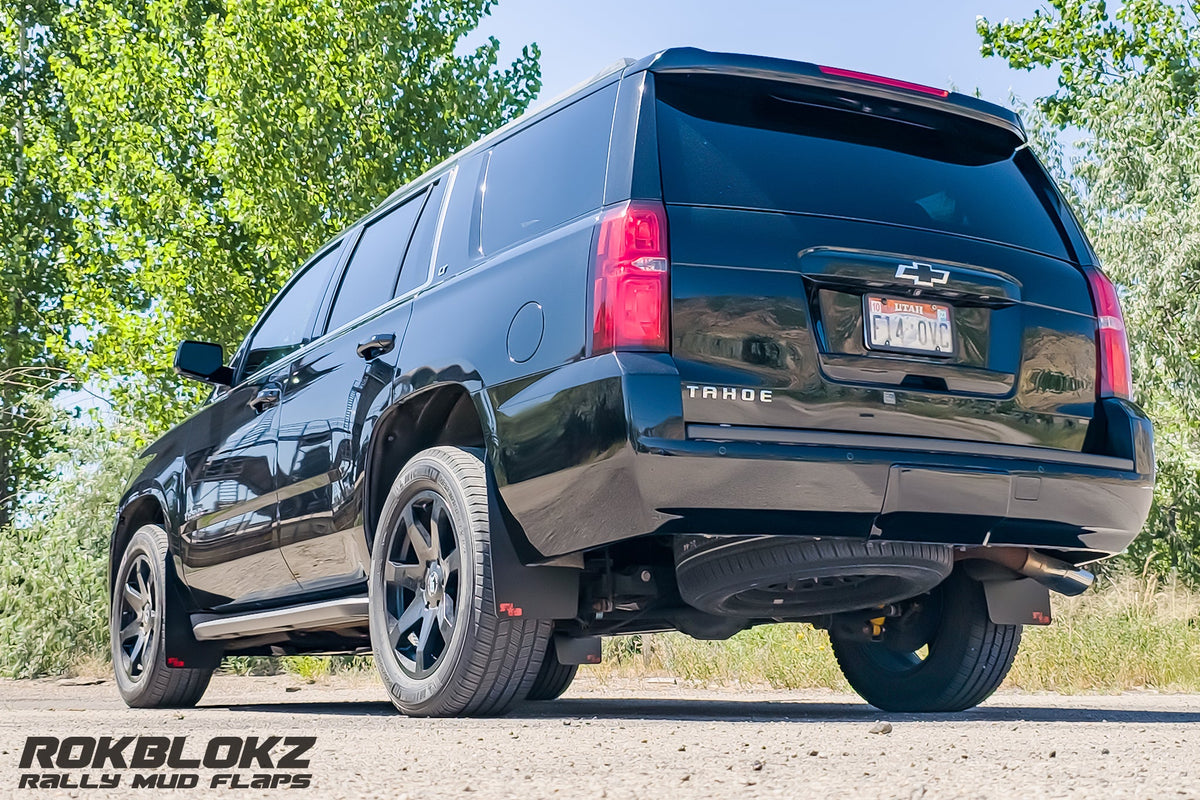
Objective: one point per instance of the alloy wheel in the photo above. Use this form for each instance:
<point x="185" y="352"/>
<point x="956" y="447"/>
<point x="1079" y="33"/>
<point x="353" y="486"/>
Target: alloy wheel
<point x="139" y="609"/>
<point x="421" y="584"/>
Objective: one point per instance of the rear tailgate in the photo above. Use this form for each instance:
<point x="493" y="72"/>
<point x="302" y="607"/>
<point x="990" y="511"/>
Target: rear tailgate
<point x="845" y="265"/>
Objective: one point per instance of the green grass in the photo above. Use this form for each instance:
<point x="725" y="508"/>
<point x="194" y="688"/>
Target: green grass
<point x="307" y="668"/>
<point x="1134" y="634"/>
<point x="1131" y="634"/>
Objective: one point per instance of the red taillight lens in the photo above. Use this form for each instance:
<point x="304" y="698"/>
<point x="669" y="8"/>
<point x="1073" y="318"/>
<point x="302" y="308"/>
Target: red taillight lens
<point x="630" y="279"/>
<point x="1115" y="378"/>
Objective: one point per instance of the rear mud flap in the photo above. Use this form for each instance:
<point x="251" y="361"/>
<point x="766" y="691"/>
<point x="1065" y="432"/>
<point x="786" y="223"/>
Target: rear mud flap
<point x="537" y="592"/>
<point x="1020" y="602"/>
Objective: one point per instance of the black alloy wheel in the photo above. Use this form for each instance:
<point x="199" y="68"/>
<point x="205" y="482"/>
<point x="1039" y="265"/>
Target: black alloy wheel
<point x="944" y="655"/>
<point x="139" y="618"/>
<point x="421" y="581"/>
<point x="441" y="647"/>
<point x="138" y="611"/>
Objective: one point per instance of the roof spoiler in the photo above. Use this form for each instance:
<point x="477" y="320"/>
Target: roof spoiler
<point x="691" y="59"/>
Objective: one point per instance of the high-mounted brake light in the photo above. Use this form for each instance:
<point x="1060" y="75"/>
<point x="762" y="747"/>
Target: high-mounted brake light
<point x="1114" y="377"/>
<point x="630" y="274"/>
<point x="892" y="82"/>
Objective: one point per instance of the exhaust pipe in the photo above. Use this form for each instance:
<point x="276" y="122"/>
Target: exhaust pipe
<point x="1053" y="573"/>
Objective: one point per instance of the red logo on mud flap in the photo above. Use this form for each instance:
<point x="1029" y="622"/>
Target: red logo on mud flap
<point x="1041" y="619"/>
<point x="511" y="610"/>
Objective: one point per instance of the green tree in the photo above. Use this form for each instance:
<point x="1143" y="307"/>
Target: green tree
<point x="221" y="141"/>
<point x="53" y="594"/>
<point x="1094" y="49"/>
<point x="35" y="227"/>
<point x="1128" y="82"/>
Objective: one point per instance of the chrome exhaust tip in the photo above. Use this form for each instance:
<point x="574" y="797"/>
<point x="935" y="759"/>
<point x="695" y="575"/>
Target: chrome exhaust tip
<point x="1057" y="576"/>
<point x="1053" y="573"/>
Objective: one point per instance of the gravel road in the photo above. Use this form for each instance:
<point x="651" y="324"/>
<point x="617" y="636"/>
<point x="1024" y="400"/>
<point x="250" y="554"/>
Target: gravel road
<point x="644" y="739"/>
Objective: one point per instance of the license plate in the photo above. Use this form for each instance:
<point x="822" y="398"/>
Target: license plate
<point x="903" y="325"/>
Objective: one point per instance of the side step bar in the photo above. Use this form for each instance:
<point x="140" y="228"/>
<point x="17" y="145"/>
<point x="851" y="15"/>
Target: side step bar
<point x="345" y="612"/>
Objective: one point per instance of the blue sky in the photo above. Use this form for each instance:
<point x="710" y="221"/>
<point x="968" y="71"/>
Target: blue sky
<point x="927" y="41"/>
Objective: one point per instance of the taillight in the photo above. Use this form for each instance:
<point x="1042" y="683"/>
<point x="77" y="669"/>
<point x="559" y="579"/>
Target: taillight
<point x="1115" y="378"/>
<point x="630" y="290"/>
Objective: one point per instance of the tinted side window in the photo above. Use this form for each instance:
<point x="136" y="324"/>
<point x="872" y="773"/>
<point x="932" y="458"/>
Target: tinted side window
<point x="375" y="264"/>
<point x="420" y="249"/>
<point x="548" y="173"/>
<point x="285" y="325"/>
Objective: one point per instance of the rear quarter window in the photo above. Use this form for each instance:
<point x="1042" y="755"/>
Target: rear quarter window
<point x="548" y="173"/>
<point x="755" y="144"/>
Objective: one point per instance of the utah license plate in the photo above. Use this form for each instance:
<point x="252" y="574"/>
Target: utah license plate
<point x="903" y="325"/>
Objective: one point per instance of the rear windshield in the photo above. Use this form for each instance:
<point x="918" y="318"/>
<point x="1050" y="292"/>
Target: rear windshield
<point x="745" y="143"/>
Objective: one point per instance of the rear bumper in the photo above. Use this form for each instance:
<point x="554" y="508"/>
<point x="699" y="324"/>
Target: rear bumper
<point x="645" y="471"/>
<point x="744" y="481"/>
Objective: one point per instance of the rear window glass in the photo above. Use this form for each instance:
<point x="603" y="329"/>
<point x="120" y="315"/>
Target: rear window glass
<point x="549" y="173"/>
<point x="762" y="145"/>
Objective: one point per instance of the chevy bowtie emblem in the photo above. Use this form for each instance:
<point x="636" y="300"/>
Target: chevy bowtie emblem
<point x="922" y="274"/>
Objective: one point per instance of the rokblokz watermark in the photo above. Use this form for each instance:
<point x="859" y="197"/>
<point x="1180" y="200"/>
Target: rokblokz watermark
<point x="165" y="762"/>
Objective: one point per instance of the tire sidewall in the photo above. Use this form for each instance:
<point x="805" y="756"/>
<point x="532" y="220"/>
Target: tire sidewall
<point x="960" y="632"/>
<point x="412" y="694"/>
<point x="150" y="540"/>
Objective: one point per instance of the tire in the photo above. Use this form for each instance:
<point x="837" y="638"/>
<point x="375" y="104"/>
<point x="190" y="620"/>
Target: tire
<point x="781" y="577"/>
<point x="553" y="678"/>
<point x="440" y="647"/>
<point x="967" y="659"/>
<point x="137" y="625"/>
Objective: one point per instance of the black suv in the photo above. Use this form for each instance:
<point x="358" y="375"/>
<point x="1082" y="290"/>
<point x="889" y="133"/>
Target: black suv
<point x="713" y="341"/>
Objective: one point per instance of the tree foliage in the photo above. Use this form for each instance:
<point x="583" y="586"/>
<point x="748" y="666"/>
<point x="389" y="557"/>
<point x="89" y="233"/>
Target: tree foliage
<point x="221" y="141"/>
<point x="35" y="227"/>
<point x="1128" y="82"/>
<point x="1094" y="49"/>
<point x="53" y="596"/>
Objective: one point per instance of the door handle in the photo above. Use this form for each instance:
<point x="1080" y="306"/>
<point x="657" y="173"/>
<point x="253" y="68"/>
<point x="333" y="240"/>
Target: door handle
<point x="267" y="397"/>
<point x="377" y="345"/>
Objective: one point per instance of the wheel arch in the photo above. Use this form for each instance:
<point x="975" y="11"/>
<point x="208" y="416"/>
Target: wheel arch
<point x="438" y="414"/>
<point x="147" y="506"/>
<point x="449" y="414"/>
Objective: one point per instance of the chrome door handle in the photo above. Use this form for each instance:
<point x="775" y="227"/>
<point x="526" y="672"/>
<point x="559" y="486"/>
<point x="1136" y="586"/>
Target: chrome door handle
<point x="377" y="345"/>
<point x="267" y="397"/>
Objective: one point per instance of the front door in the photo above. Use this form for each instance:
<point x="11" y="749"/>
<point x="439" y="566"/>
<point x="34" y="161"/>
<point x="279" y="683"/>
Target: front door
<point x="229" y="551"/>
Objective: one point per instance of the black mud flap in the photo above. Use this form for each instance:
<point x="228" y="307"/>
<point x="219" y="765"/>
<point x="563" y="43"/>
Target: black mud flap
<point x="1020" y="602"/>
<point x="522" y="591"/>
<point x="183" y="650"/>
<point x="581" y="650"/>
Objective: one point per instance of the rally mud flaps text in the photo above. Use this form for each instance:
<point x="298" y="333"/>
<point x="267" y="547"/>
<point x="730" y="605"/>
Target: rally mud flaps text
<point x="165" y="762"/>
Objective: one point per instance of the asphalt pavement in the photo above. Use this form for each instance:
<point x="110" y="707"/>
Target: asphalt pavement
<point x="605" y="739"/>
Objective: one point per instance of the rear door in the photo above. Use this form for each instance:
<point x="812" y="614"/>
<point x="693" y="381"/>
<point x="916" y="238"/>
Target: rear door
<point x="844" y="263"/>
<point x="336" y="391"/>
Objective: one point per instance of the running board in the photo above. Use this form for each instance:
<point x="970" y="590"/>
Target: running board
<point x="346" y="612"/>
